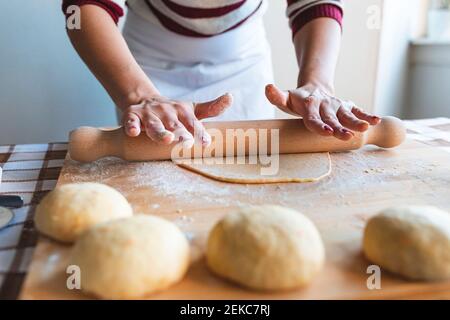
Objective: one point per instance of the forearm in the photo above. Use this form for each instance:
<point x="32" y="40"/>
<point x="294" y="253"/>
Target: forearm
<point x="104" y="50"/>
<point x="317" y="47"/>
<point x="317" y="40"/>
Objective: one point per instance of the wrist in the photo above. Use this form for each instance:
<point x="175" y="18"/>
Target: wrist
<point x="324" y="84"/>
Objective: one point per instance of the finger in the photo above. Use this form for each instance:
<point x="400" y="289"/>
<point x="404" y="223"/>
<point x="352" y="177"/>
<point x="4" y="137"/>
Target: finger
<point x="155" y="129"/>
<point x="213" y="108"/>
<point x="329" y="117"/>
<point x="278" y="98"/>
<point x="200" y="133"/>
<point x="312" y="118"/>
<point x="180" y="131"/>
<point x="195" y="127"/>
<point x="183" y="136"/>
<point x="132" y="124"/>
<point x="350" y="121"/>
<point x="360" y="114"/>
<point x="170" y="121"/>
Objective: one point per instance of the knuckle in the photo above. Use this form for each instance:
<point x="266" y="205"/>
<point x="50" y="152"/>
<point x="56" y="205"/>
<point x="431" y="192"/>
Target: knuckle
<point x="151" y="124"/>
<point x="168" y="116"/>
<point x="358" y="110"/>
<point x="309" y="100"/>
<point x="313" y="118"/>
<point x="147" y="116"/>
<point x="173" y="125"/>
<point x="161" y="107"/>
<point x="147" y="108"/>
<point x="325" y="102"/>
<point x="343" y="111"/>
<point x="180" y="106"/>
<point x="329" y="118"/>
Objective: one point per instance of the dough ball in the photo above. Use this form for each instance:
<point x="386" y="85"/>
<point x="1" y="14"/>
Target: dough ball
<point x="266" y="248"/>
<point x="71" y="209"/>
<point x="129" y="258"/>
<point x="412" y="241"/>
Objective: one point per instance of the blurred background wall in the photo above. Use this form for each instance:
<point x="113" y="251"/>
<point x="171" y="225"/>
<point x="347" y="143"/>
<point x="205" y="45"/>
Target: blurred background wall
<point x="45" y="89"/>
<point x="385" y="67"/>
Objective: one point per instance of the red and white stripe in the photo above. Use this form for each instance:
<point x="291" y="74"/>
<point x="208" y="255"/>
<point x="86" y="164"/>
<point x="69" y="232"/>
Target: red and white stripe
<point x="206" y="18"/>
<point x="298" y="10"/>
<point x="202" y="21"/>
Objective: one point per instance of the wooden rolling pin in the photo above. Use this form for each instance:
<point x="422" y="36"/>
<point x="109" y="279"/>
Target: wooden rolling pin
<point x="89" y="144"/>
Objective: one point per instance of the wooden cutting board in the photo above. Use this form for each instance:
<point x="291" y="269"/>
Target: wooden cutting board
<point x="362" y="183"/>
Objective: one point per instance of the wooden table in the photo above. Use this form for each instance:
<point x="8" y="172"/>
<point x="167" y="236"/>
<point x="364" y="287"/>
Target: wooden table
<point x="362" y="183"/>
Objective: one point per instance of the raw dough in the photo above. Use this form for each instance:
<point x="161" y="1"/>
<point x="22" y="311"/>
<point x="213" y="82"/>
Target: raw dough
<point x="70" y="209"/>
<point x="266" y="248"/>
<point x="306" y="167"/>
<point x="129" y="258"/>
<point x="412" y="241"/>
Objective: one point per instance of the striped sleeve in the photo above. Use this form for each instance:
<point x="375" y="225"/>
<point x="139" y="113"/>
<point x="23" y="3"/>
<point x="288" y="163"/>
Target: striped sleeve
<point x="113" y="9"/>
<point x="300" y="12"/>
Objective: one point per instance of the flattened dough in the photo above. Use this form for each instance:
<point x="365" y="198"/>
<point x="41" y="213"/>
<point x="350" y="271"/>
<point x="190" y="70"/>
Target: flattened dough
<point x="305" y="167"/>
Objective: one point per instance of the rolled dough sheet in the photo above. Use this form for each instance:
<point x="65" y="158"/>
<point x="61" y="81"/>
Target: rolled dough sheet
<point x="305" y="167"/>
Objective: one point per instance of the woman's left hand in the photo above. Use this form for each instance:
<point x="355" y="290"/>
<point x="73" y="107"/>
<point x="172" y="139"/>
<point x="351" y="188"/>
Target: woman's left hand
<point x="321" y="111"/>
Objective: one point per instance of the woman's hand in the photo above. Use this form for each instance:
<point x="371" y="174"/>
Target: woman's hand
<point x="322" y="113"/>
<point x="165" y="120"/>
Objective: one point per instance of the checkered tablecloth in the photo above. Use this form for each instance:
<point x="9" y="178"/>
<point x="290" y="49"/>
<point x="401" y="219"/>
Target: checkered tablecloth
<point x="32" y="171"/>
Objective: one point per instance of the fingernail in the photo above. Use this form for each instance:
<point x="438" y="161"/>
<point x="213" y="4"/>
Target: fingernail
<point x="166" y="136"/>
<point x="328" y="128"/>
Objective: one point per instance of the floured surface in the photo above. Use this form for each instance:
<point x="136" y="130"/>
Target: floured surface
<point x="306" y="167"/>
<point x="361" y="184"/>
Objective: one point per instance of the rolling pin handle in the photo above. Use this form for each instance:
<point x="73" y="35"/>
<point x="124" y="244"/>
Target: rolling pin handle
<point x="88" y="144"/>
<point x="389" y="133"/>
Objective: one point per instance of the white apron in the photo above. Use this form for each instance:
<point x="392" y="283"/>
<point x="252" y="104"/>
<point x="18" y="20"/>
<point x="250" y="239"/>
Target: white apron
<point x="202" y="69"/>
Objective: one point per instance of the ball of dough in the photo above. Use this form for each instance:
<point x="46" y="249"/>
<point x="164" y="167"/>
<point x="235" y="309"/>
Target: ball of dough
<point x="412" y="241"/>
<point x="71" y="209"/>
<point x="129" y="258"/>
<point x="266" y="248"/>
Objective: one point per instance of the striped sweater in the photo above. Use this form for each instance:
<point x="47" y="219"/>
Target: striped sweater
<point x="206" y="18"/>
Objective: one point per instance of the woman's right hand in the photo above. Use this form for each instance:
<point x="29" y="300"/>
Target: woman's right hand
<point x="165" y="120"/>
